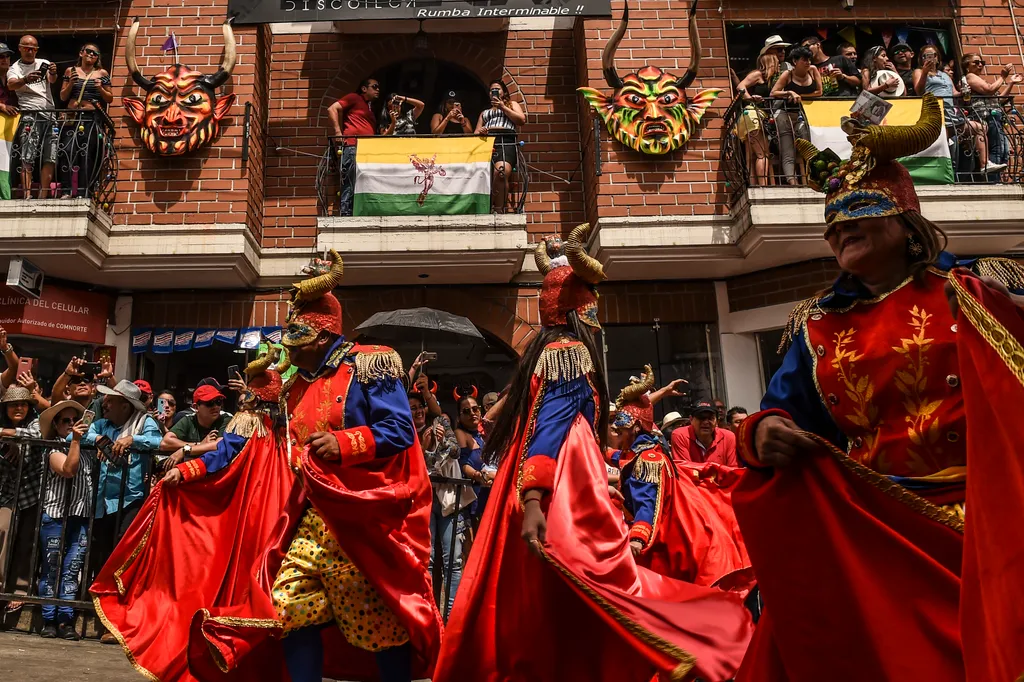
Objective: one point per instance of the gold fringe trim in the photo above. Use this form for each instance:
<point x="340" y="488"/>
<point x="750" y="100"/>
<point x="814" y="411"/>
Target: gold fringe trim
<point x="1007" y="272"/>
<point x="648" y="471"/>
<point x="120" y="640"/>
<point x="797" y="318"/>
<point x="686" y="660"/>
<point x="891" y="487"/>
<point x="380" y="362"/>
<point x="231" y="621"/>
<point x="246" y="424"/>
<point x="1001" y="341"/>
<point x="566" y="361"/>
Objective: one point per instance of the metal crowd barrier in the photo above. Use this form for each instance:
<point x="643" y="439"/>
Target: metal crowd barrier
<point x="34" y="456"/>
<point x="35" y="453"/>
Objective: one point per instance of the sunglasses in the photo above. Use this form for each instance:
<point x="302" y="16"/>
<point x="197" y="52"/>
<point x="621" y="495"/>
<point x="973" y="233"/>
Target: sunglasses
<point x="66" y="420"/>
<point x="471" y="410"/>
<point x="978" y="62"/>
<point x="374" y="86"/>
<point x="418" y="408"/>
<point x="34" y="48"/>
<point x="212" y="403"/>
<point x="92" y="53"/>
<point x="79" y="380"/>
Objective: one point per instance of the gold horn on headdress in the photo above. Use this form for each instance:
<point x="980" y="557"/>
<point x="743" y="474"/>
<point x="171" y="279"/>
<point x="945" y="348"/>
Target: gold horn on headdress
<point x="637" y="389"/>
<point x="887" y="143"/>
<point x="262" y="363"/>
<point x="284" y="362"/>
<point x="583" y="264"/>
<point x="315" y="287"/>
<point x="540" y="256"/>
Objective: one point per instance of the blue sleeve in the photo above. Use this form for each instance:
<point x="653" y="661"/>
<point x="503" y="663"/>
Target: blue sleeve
<point x="227" y="449"/>
<point x="150" y="437"/>
<point x="645" y="499"/>
<point x="561" y="402"/>
<point x="792" y="389"/>
<point x="471" y="456"/>
<point x="389" y="418"/>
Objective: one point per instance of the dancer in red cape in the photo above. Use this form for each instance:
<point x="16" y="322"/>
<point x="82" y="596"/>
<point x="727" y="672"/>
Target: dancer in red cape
<point x="682" y="525"/>
<point x="991" y="621"/>
<point x="343" y="589"/>
<point x="192" y="546"/>
<point x="570" y="604"/>
<point x="854" y="515"/>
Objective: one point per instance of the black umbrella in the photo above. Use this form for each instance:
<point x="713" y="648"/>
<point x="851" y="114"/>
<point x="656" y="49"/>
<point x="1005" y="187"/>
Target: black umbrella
<point x="407" y="323"/>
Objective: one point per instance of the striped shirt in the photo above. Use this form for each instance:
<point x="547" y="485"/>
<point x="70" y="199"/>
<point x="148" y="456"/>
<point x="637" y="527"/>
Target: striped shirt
<point x="74" y="494"/>
<point x="31" y="469"/>
<point x="497" y="120"/>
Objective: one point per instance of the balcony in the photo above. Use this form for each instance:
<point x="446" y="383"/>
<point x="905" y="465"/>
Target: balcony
<point x="414" y="241"/>
<point x="60" y="208"/>
<point x="778" y="219"/>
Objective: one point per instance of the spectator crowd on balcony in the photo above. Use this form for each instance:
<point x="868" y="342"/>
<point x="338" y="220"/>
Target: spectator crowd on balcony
<point x="54" y="154"/>
<point x="78" y="460"/>
<point x="353" y="117"/>
<point x="786" y="75"/>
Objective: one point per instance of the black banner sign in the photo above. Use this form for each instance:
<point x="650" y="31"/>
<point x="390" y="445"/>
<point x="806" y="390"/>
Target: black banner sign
<point x="270" y="11"/>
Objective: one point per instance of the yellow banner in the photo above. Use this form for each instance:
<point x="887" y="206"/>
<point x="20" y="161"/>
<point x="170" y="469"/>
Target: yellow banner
<point x="449" y="150"/>
<point x="828" y="113"/>
<point x="8" y="127"/>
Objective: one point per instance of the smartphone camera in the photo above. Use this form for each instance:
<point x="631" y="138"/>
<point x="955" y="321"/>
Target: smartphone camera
<point x="495" y="93"/>
<point x="91" y="369"/>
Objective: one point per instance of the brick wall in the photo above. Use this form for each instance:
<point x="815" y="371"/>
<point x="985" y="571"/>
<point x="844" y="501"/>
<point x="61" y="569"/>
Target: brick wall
<point x="781" y="285"/>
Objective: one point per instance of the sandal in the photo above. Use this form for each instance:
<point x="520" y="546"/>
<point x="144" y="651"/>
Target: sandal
<point x="14" y="606"/>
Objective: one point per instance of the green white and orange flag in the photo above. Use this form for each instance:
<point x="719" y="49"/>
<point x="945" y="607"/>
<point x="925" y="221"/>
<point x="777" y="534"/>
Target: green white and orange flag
<point x="933" y="166"/>
<point x="423" y="176"/>
<point x="8" y="128"/>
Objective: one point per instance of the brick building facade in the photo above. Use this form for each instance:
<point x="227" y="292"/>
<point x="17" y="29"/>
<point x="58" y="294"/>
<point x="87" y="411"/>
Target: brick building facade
<point x="701" y="270"/>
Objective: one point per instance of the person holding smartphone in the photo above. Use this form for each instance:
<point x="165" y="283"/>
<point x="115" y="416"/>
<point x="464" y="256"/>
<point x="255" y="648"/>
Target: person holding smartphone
<point x="31" y="79"/>
<point x="450" y="119"/>
<point x="502" y="121"/>
<point x="400" y="115"/>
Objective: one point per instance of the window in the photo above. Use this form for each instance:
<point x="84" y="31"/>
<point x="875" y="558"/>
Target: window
<point x="674" y="351"/>
<point x="768" y="348"/>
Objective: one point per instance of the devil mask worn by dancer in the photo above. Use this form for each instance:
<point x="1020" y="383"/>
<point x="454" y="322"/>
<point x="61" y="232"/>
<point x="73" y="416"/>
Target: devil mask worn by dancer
<point x="181" y="111"/>
<point x="648" y="110"/>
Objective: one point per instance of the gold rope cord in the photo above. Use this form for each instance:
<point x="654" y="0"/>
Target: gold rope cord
<point x="120" y="640"/>
<point x="891" y="487"/>
<point x="686" y="660"/>
<point x="997" y="336"/>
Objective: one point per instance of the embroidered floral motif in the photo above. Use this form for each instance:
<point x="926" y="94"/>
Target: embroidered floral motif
<point x="923" y="423"/>
<point x="859" y="389"/>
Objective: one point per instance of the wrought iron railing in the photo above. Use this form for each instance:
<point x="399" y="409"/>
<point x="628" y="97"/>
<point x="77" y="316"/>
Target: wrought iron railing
<point x="66" y="153"/>
<point x="331" y="183"/>
<point x="766" y="129"/>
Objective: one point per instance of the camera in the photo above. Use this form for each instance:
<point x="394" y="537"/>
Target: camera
<point x="495" y="92"/>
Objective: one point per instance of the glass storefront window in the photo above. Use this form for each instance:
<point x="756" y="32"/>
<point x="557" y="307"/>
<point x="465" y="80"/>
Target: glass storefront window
<point x="768" y="347"/>
<point x="675" y="351"/>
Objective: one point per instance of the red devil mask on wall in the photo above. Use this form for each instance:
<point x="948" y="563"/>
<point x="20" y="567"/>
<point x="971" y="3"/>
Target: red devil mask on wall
<point x="181" y="111"/>
<point x="648" y="110"/>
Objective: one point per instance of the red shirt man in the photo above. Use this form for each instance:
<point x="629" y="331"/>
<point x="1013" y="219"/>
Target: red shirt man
<point x="351" y="115"/>
<point x="702" y="441"/>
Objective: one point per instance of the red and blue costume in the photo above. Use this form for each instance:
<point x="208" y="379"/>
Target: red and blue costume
<point x="859" y="547"/>
<point x="680" y="514"/>
<point x="582" y="610"/>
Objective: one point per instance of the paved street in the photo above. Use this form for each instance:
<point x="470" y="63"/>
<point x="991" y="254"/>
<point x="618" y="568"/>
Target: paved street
<point x="30" y="658"/>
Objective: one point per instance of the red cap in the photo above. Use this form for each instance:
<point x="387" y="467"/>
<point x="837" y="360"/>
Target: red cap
<point x="144" y="386"/>
<point x="205" y="394"/>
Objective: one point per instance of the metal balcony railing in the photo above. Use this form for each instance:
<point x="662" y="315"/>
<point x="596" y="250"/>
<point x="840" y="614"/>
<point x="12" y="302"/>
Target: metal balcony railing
<point x="778" y="123"/>
<point x="330" y="183"/>
<point x="24" y="465"/>
<point x="71" y="151"/>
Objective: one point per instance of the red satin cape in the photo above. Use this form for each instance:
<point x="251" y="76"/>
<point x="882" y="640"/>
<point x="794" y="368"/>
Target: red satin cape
<point x="698" y="538"/>
<point x="390" y="497"/>
<point x="990" y="331"/>
<point x="585" y="612"/>
<point x="192" y="547"/>
<point x="860" y="578"/>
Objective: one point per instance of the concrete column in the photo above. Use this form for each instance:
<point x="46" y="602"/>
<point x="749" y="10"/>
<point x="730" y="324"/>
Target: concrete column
<point x="741" y="361"/>
<point x="123" y="340"/>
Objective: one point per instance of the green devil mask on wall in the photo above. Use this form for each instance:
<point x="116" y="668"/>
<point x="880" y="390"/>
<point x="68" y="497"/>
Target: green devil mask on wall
<point x="648" y="110"/>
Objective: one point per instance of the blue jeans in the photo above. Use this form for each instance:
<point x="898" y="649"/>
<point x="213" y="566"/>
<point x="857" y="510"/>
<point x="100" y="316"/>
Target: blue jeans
<point x="998" y="145"/>
<point x="348" y="178"/>
<point x="441" y="529"/>
<point x="71" y="570"/>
